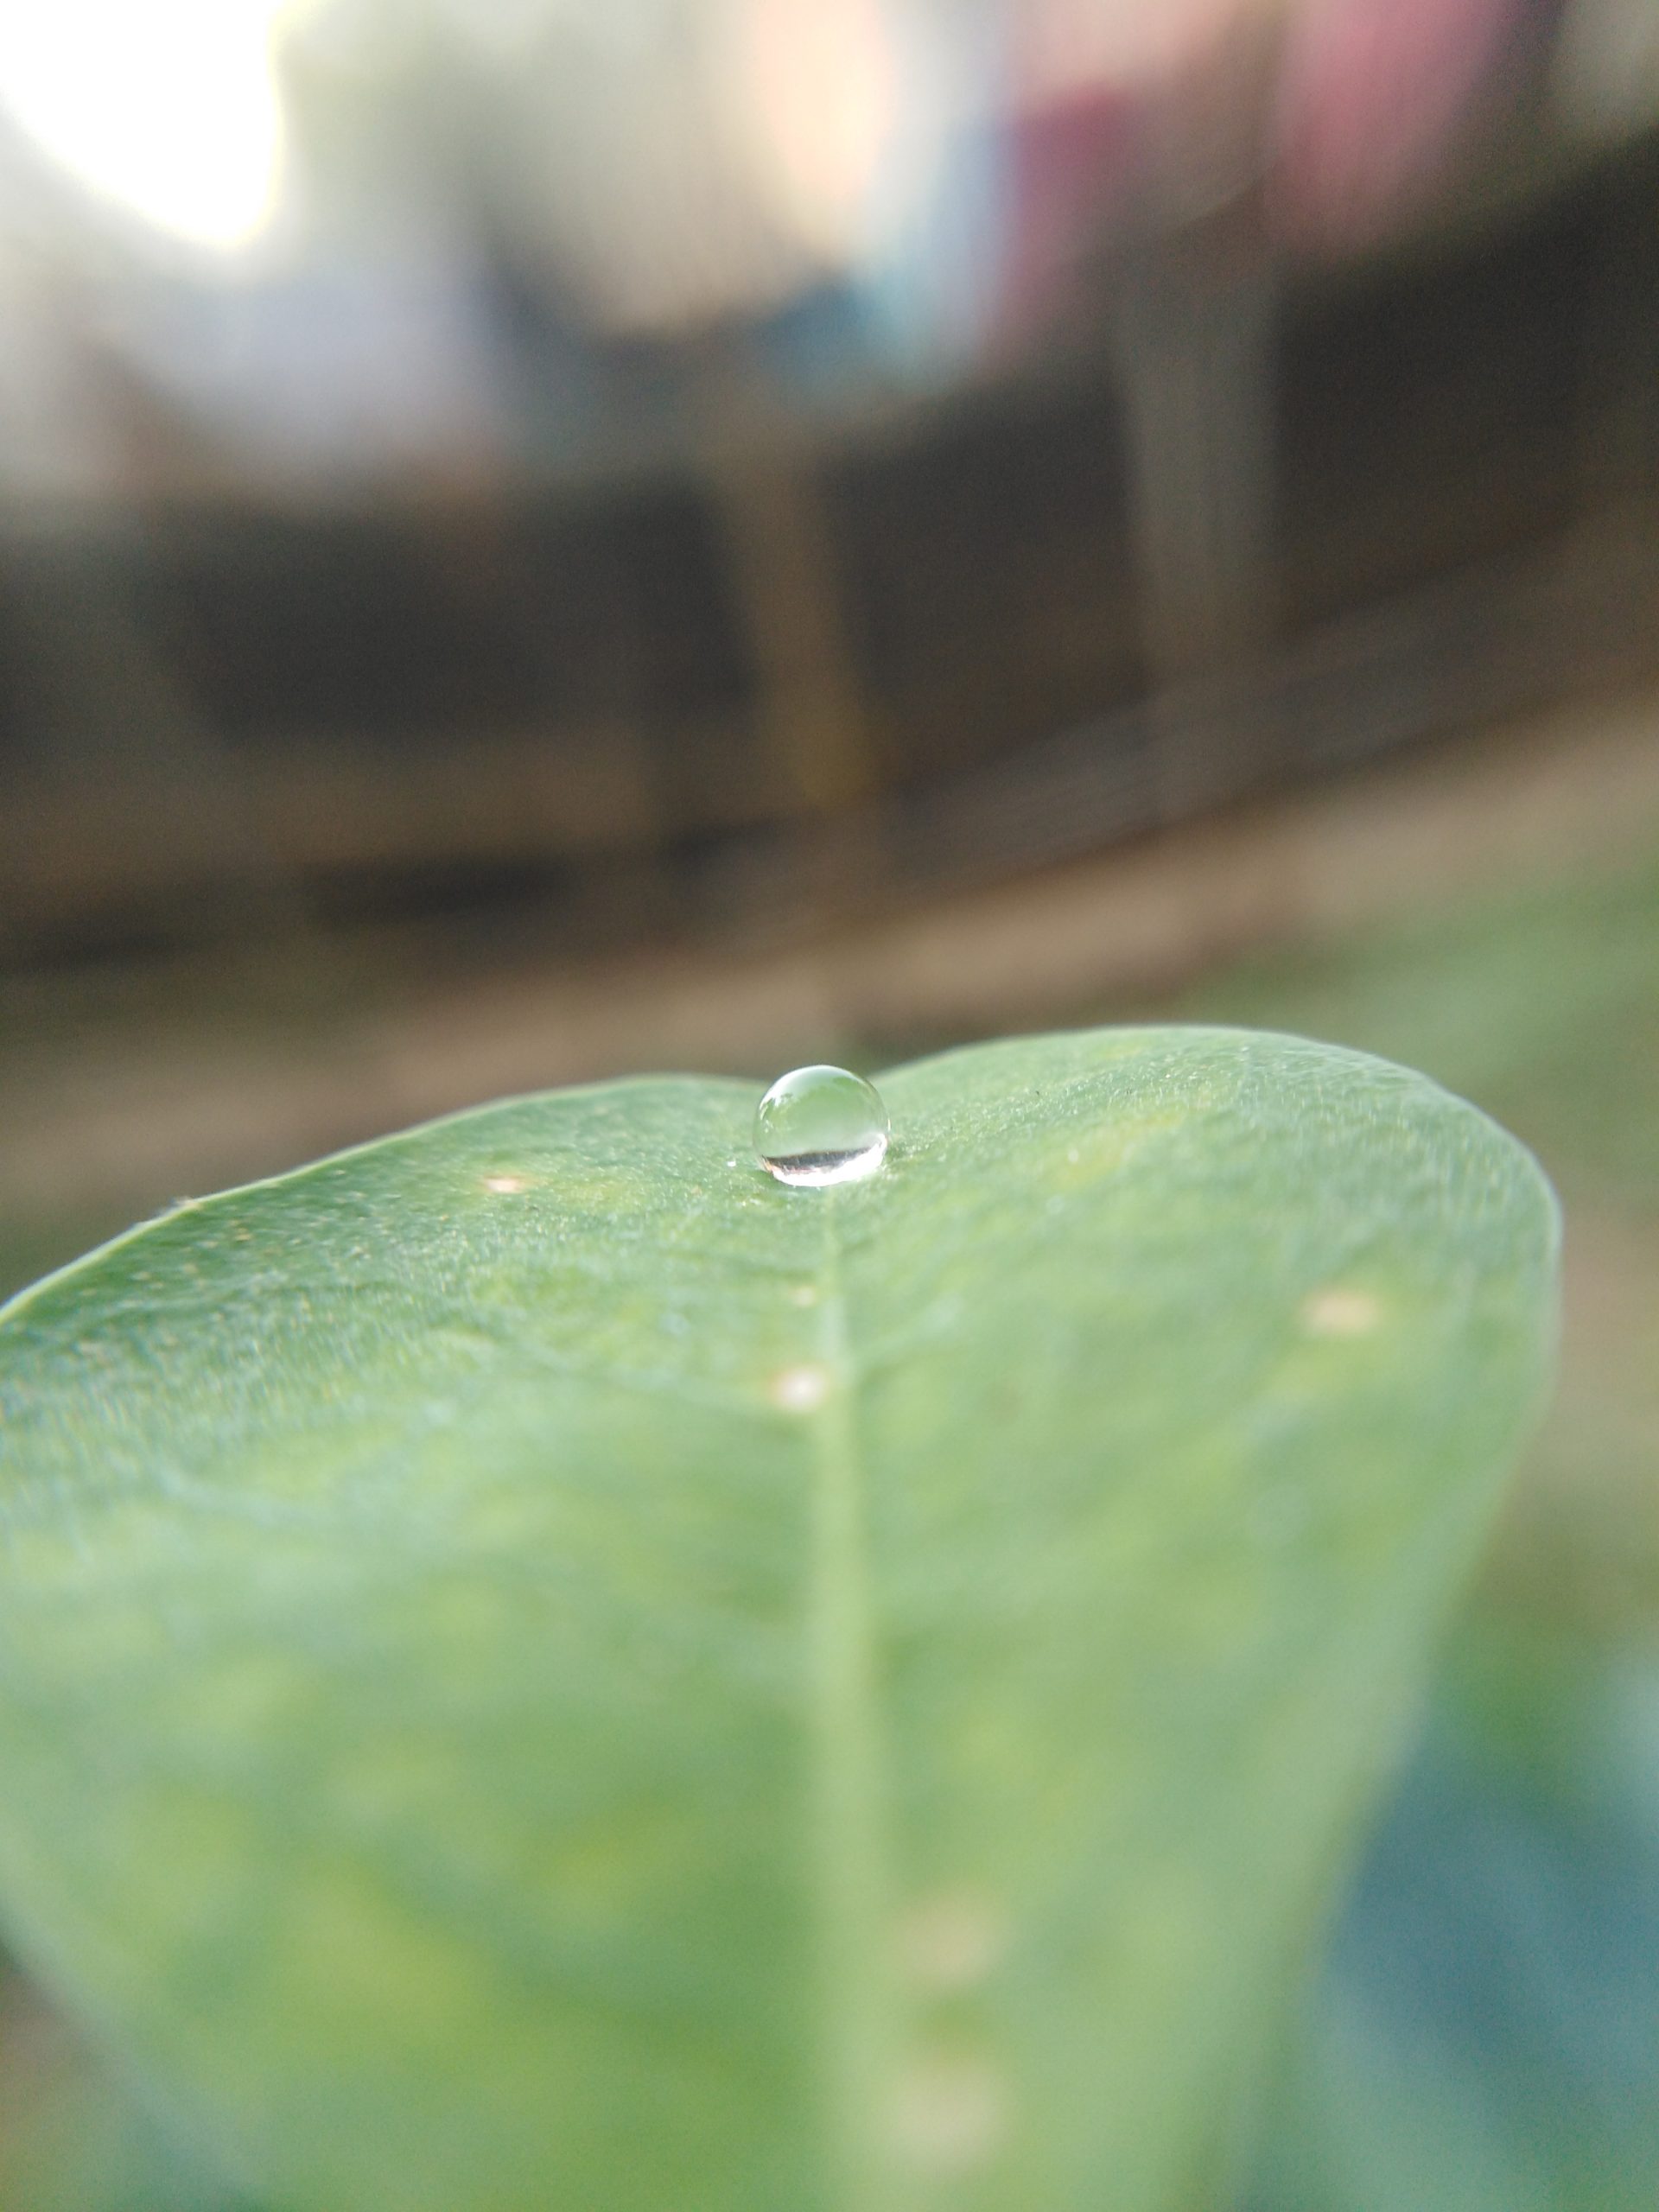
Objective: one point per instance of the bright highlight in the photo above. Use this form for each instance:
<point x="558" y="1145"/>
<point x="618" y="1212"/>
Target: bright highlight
<point x="167" y="108"/>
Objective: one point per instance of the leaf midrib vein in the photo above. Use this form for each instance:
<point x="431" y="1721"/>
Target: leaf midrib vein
<point x="852" y="1870"/>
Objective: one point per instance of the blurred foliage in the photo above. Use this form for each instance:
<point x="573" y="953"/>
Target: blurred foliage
<point x="1486" y="2035"/>
<point x="1542" y="1006"/>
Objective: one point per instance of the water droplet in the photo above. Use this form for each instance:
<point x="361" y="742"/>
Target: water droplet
<point x="820" y="1125"/>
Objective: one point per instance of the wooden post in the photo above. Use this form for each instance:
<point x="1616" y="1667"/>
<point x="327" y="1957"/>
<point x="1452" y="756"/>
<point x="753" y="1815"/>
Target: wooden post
<point x="1195" y="337"/>
<point x="761" y="479"/>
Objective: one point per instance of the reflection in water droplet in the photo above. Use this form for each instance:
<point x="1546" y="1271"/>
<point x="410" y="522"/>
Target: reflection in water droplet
<point x="820" y="1125"/>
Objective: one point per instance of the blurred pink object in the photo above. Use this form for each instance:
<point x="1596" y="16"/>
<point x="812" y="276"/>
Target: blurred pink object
<point x="1082" y="106"/>
<point x="1068" y="164"/>
<point x="1370" y="98"/>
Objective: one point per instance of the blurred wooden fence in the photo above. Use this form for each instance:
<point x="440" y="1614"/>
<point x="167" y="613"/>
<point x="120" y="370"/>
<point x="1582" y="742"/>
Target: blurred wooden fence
<point x="1241" y="523"/>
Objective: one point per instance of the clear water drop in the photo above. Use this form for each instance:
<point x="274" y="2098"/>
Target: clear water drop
<point x="820" y="1125"/>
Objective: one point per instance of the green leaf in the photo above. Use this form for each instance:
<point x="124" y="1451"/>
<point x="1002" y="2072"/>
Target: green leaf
<point x="540" y="1668"/>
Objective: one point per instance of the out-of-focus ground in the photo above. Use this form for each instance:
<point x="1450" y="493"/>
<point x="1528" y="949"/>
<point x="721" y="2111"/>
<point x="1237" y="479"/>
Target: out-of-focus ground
<point x="1486" y="2036"/>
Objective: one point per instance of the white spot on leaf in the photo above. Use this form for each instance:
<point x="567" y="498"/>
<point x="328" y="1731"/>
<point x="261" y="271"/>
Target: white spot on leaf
<point x="800" y="1389"/>
<point x="950" y="1940"/>
<point x="951" y="2113"/>
<point x="1339" y="1313"/>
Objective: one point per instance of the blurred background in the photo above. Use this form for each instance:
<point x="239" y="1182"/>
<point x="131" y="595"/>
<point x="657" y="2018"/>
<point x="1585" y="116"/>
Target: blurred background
<point x="544" y="538"/>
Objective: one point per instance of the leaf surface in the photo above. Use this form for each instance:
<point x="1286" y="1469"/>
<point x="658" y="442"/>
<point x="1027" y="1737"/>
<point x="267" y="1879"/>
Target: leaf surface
<point x="538" y="1667"/>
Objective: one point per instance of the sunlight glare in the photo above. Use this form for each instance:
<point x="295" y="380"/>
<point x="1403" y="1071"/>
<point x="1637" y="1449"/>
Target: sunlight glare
<point x="168" y="108"/>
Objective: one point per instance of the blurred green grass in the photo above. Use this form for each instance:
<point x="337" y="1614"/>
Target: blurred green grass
<point x="1485" y="2036"/>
